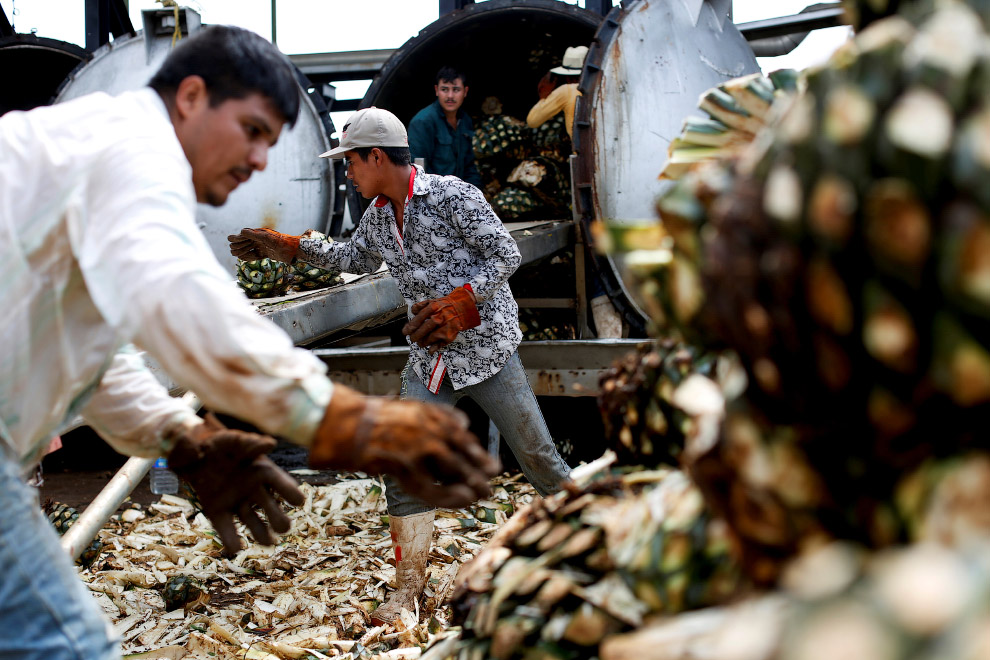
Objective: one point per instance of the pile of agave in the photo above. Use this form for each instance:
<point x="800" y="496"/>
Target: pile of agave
<point x="524" y="171"/>
<point x="827" y="278"/>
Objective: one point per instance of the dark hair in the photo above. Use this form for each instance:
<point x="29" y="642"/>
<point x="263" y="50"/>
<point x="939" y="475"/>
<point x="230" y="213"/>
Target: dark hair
<point x="556" y="79"/>
<point x="234" y="63"/>
<point x="398" y="155"/>
<point x="450" y="74"/>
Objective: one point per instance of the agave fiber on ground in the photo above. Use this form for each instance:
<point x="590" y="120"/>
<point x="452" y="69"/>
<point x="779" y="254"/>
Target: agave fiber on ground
<point x="308" y="597"/>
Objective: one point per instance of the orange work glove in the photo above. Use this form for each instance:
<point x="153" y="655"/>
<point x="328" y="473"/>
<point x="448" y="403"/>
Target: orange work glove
<point x="253" y="244"/>
<point x="437" y="322"/>
<point x="545" y="86"/>
<point x="231" y="475"/>
<point x="425" y="446"/>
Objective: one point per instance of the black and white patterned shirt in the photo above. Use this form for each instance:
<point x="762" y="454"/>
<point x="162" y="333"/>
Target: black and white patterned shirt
<point x="451" y="237"/>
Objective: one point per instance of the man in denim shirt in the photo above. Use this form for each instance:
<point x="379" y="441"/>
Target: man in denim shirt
<point x="441" y="132"/>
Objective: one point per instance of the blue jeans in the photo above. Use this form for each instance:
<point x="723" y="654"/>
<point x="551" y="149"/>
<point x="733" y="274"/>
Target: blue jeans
<point x="46" y="612"/>
<point x="509" y="401"/>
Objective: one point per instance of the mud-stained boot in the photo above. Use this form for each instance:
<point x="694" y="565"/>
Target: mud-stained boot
<point x="608" y="323"/>
<point x="411" y="540"/>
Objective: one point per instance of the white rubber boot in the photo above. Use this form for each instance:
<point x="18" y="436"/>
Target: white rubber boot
<point x="411" y="540"/>
<point x="607" y="320"/>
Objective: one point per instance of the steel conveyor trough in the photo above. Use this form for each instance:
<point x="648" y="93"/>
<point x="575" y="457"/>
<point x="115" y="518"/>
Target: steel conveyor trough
<point x="375" y="300"/>
<point x="555" y="368"/>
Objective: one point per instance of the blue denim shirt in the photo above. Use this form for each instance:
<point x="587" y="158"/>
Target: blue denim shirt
<point x="446" y="150"/>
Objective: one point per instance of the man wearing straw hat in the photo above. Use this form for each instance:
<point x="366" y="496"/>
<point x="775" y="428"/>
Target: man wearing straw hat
<point x="558" y="91"/>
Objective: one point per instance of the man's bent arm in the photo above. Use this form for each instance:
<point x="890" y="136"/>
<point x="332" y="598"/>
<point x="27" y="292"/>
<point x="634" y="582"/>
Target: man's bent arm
<point x="546" y="109"/>
<point x="481" y="228"/>
<point x="356" y="256"/>
<point x="133" y="412"/>
<point x="154" y="278"/>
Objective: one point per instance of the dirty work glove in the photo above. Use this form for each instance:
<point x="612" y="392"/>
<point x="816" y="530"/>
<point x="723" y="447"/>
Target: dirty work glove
<point x="231" y="475"/>
<point x="253" y="244"/>
<point x="437" y="322"/>
<point x="418" y="443"/>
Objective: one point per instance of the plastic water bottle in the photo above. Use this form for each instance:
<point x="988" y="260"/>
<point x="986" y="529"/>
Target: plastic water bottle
<point x="163" y="480"/>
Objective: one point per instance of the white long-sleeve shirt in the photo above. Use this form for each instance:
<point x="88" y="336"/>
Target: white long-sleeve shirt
<point x="99" y="249"/>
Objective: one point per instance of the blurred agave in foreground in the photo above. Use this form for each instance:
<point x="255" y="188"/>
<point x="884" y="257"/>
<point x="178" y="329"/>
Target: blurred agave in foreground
<point x="569" y="570"/>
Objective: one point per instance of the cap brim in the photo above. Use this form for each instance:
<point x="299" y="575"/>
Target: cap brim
<point x="564" y="71"/>
<point x="336" y="153"/>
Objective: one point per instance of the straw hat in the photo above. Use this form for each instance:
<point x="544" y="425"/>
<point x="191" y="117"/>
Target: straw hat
<point x="573" y="61"/>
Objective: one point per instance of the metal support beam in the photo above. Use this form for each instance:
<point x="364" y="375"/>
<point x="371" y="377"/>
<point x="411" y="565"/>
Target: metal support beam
<point x="6" y="29"/>
<point x="602" y="7"/>
<point x="447" y="6"/>
<point x="546" y="303"/>
<point x="569" y="368"/>
<point x="274" y="30"/>
<point x="784" y="25"/>
<point x="348" y="65"/>
<point x="365" y="64"/>
<point x="120" y="20"/>
<point x="97" y="23"/>
<point x="344" y="105"/>
<point x="103" y="18"/>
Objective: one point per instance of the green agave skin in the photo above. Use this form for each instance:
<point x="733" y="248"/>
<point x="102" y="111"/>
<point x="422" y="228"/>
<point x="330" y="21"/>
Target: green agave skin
<point x="262" y="278"/>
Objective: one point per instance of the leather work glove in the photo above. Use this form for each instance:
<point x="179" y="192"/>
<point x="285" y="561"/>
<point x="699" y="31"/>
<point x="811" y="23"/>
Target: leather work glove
<point x="545" y="86"/>
<point x="231" y="475"/>
<point x="437" y="322"/>
<point x="253" y="244"/>
<point x="420" y="444"/>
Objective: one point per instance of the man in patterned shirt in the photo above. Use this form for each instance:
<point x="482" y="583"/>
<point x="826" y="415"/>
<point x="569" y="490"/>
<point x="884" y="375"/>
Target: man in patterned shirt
<point x="451" y="258"/>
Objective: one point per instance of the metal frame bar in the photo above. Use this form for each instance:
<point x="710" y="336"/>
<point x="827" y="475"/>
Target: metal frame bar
<point x="120" y="20"/>
<point x="6" y="28"/>
<point x="103" y="18"/>
<point x="365" y="64"/>
<point x="348" y="65"/>
<point x="602" y="7"/>
<point x="97" y="23"/>
<point x="447" y="6"/>
<point x="570" y="367"/>
<point x="796" y="24"/>
<point x="546" y="303"/>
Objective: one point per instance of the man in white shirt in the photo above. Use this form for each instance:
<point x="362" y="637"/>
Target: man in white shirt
<point x="103" y="257"/>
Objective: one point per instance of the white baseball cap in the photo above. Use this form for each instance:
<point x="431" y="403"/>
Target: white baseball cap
<point x="370" y="127"/>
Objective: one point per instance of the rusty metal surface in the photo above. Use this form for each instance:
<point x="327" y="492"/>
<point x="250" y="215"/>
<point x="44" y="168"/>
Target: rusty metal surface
<point x="555" y="368"/>
<point x="294" y="193"/>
